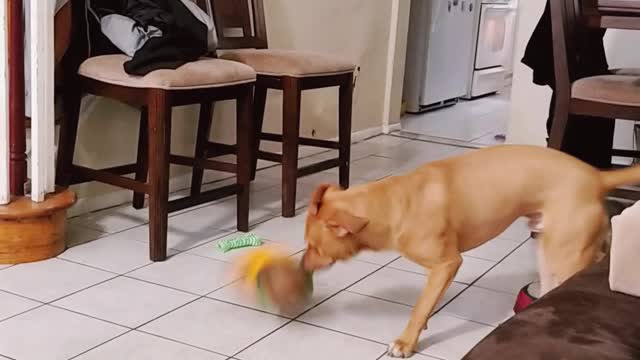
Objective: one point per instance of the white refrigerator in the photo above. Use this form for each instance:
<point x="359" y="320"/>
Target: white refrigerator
<point x="439" y="52"/>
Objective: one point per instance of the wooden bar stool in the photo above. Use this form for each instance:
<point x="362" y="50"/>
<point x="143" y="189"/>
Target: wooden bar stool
<point x="615" y="95"/>
<point x="200" y="82"/>
<point x="292" y="72"/>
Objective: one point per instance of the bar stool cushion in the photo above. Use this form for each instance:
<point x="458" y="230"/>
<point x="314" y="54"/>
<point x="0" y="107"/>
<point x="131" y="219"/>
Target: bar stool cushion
<point x="289" y="62"/>
<point x="204" y="73"/>
<point x="620" y="88"/>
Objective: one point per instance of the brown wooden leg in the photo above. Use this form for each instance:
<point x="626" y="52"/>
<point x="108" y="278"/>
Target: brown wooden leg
<point x="68" y="135"/>
<point x="202" y="139"/>
<point x="560" y="120"/>
<point x="259" y="103"/>
<point x="142" y="163"/>
<point x="345" y="103"/>
<point x="292" y="92"/>
<point x="159" y="146"/>
<point x="244" y="140"/>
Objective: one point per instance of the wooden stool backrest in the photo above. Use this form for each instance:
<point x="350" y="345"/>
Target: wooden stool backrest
<point x="240" y="24"/>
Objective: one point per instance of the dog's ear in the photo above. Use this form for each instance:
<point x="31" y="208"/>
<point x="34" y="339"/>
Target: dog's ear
<point x="316" y="198"/>
<point x="312" y="260"/>
<point x="343" y="222"/>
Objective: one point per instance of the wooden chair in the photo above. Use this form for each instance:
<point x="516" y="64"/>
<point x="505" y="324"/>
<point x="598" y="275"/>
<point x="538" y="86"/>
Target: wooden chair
<point x="615" y="95"/>
<point x="241" y="26"/>
<point x="201" y="82"/>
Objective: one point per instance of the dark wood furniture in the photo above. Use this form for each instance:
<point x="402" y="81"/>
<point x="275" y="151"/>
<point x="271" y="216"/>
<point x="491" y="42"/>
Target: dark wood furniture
<point x="615" y="95"/>
<point x="201" y="82"/>
<point x="242" y="30"/>
<point x="18" y="133"/>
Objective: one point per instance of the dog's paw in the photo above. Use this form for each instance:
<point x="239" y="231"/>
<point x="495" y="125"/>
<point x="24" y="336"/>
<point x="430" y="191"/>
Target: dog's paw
<point x="400" y="349"/>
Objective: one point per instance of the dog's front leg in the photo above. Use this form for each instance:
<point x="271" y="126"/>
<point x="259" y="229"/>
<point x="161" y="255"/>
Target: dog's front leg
<point x="440" y="277"/>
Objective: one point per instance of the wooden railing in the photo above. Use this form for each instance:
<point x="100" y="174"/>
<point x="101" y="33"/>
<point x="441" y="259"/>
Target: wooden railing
<point x="5" y="193"/>
<point x="12" y="103"/>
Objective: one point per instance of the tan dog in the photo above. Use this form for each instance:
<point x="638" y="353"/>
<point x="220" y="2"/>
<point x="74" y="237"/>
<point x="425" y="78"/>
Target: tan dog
<point x="447" y="207"/>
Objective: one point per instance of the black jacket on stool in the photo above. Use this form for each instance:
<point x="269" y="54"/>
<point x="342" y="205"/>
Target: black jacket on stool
<point x="587" y="138"/>
<point x="184" y="37"/>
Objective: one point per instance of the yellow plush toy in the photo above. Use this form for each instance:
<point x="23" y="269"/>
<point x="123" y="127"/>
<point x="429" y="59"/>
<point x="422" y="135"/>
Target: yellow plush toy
<point x="275" y="278"/>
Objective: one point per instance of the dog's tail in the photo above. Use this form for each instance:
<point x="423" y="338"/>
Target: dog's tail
<point x="615" y="178"/>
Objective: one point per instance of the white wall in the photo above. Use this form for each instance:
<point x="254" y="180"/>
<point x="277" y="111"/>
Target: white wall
<point x="530" y="103"/>
<point x="397" y="60"/>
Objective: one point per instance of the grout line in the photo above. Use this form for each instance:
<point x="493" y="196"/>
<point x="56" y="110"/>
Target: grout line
<point x="428" y="357"/>
<point x="305" y="312"/>
<point x="101" y="344"/>
<point x="426" y="275"/>
<point x="22" y="313"/>
<point x="262" y="338"/>
<point x="21" y="296"/>
<point x="88" y="266"/>
<point x="266" y="312"/>
<point x="480" y="277"/>
<point x="89" y="316"/>
<point x="379" y="298"/>
<point x="338" y="331"/>
<point x="334" y="295"/>
<point x="440" y="142"/>
<point x="466" y="319"/>
<point x="180" y="342"/>
<point x="496" y="291"/>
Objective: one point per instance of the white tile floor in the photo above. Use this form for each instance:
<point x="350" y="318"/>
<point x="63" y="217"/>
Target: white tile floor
<point x="472" y="123"/>
<point x="102" y="299"/>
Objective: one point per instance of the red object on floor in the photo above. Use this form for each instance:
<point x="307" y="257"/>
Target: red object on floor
<point x="524" y="299"/>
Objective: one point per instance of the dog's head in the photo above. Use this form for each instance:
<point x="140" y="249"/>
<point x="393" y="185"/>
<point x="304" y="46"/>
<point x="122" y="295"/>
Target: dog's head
<point x="331" y="230"/>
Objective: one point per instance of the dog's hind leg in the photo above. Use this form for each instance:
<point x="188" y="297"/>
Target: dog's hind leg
<point x="544" y="271"/>
<point x="571" y="246"/>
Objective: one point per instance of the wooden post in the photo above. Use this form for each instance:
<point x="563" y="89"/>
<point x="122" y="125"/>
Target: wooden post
<point x="5" y="194"/>
<point x="18" y="137"/>
<point x="41" y="42"/>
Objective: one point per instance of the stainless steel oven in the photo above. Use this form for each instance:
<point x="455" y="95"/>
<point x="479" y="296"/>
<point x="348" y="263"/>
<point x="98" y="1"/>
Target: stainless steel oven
<point x="494" y="46"/>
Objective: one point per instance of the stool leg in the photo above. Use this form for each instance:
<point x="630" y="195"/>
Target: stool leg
<point x="345" y="104"/>
<point x="244" y="141"/>
<point x="142" y="164"/>
<point x="259" y="103"/>
<point x="292" y="92"/>
<point x="159" y="146"/>
<point x="202" y="140"/>
<point x="68" y="135"/>
<point x="560" y="120"/>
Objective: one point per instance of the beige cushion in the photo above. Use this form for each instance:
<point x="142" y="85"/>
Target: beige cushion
<point x="612" y="89"/>
<point x="204" y="73"/>
<point x="625" y="251"/>
<point x="621" y="4"/>
<point x="289" y="62"/>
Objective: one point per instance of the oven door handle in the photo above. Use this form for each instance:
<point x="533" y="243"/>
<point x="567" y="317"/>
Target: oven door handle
<point x="497" y="7"/>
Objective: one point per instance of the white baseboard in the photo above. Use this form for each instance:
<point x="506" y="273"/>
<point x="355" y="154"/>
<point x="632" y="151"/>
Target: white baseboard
<point x="365" y="134"/>
<point x="181" y="182"/>
<point x="393" y="127"/>
<point x="121" y="196"/>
